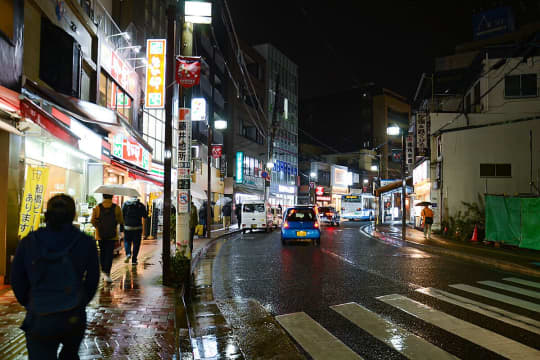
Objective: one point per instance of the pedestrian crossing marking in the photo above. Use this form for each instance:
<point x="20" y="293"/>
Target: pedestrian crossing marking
<point x="499" y="297"/>
<point x="470" y="332"/>
<point x="408" y="344"/>
<point x="511" y="288"/>
<point x="484" y="309"/>
<point x="314" y="339"/>
<point x="523" y="282"/>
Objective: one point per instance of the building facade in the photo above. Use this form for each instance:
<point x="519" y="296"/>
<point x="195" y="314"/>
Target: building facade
<point x="284" y="175"/>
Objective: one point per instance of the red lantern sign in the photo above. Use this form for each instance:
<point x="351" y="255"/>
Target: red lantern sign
<point x="188" y="70"/>
<point x="217" y="150"/>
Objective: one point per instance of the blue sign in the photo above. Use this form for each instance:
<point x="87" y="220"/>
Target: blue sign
<point x="493" y="22"/>
<point x="239" y="167"/>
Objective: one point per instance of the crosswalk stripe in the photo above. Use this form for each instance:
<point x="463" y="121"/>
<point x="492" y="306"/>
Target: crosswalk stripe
<point x="315" y="339"/>
<point x="511" y="288"/>
<point x="523" y="282"/>
<point x="473" y="333"/>
<point x="499" y="297"/>
<point x="410" y="345"/>
<point x="484" y="309"/>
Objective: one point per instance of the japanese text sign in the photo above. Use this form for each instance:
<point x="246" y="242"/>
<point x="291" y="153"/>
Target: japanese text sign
<point x="217" y="150"/>
<point x="32" y="204"/>
<point x="155" y="74"/>
<point x="184" y="160"/>
<point x="128" y="149"/>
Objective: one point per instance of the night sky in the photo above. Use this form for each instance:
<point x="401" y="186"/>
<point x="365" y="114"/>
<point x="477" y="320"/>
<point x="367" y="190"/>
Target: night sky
<point x="345" y="42"/>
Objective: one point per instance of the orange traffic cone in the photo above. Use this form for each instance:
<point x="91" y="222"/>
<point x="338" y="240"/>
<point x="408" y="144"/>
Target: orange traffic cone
<point x="475" y="234"/>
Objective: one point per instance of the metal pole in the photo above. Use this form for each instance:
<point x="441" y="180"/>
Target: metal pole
<point x="403" y="188"/>
<point x="209" y="143"/>
<point x="169" y="94"/>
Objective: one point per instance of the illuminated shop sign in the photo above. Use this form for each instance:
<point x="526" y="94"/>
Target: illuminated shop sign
<point x="120" y="70"/>
<point x="128" y="149"/>
<point x="155" y="74"/>
<point x="239" y="167"/>
<point x="286" y="189"/>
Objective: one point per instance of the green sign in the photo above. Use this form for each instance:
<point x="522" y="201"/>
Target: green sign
<point x="239" y="167"/>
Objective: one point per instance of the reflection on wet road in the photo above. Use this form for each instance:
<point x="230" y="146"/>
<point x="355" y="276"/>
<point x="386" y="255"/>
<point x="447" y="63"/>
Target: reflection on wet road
<point x="340" y="287"/>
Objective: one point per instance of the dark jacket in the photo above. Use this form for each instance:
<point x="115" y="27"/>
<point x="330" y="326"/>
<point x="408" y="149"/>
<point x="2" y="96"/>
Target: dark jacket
<point x="134" y="212"/>
<point x="202" y="214"/>
<point x="84" y="256"/>
<point x="193" y="217"/>
<point x="226" y="210"/>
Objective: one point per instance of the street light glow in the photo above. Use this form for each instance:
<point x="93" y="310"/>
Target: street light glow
<point x="198" y="8"/>
<point x="313" y="174"/>
<point x="269" y="165"/>
<point x="220" y="124"/>
<point x="392" y="130"/>
<point x="374" y="168"/>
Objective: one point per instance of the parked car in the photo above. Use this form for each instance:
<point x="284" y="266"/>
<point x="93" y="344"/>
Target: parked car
<point x="274" y="217"/>
<point x="300" y="223"/>
<point x="254" y="215"/>
<point x="328" y="215"/>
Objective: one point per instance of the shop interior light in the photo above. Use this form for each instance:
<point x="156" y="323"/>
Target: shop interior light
<point x="68" y="150"/>
<point x="374" y="168"/>
<point x="366" y="181"/>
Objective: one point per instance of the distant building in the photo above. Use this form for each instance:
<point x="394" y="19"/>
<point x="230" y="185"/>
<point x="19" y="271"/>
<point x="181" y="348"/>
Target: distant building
<point x="284" y="179"/>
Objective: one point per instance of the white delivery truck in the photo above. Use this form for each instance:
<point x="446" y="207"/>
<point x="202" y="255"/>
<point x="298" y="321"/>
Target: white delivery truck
<point x="254" y="215"/>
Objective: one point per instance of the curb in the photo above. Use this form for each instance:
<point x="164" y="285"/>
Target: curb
<point x="499" y="264"/>
<point x="196" y="257"/>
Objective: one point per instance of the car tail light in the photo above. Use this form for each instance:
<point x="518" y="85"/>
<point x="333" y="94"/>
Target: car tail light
<point x="286" y="225"/>
<point x="328" y="214"/>
<point x="243" y="225"/>
<point x="316" y="225"/>
<point x="264" y="225"/>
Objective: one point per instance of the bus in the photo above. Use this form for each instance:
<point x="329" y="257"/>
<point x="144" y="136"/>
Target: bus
<point x="357" y="207"/>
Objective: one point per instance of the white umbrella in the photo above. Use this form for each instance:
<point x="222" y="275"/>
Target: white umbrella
<point x="117" y="190"/>
<point x="224" y="200"/>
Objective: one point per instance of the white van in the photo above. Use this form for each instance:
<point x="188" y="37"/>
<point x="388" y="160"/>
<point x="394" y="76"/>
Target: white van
<point x="254" y="215"/>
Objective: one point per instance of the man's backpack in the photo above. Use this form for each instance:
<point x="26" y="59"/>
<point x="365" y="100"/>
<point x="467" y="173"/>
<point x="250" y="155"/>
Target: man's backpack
<point x="133" y="212"/>
<point x="57" y="286"/>
<point x="107" y="222"/>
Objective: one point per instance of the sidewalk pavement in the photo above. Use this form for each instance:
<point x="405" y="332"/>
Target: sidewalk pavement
<point x="524" y="261"/>
<point x="134" y="317"/>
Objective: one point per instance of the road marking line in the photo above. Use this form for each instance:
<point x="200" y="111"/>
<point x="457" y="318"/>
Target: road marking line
<point x="499" y="297"/>
<point x="523" y="282"/>
<point x="408" y="344"/>
<point x="315" y="339"/>
<point x="484" y="309"/>
<point x="470" y="332"/>
<point x="511" y="288"/>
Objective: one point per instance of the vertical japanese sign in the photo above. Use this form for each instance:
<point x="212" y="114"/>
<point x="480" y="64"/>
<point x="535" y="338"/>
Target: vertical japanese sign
<point x="184" y="160"/>
<point x="421" y="134"/>
<point x="155" y="74"/>
<point x="239" y="167"/>
<point x="410" y="151"/>
<point x="34" y="188"/>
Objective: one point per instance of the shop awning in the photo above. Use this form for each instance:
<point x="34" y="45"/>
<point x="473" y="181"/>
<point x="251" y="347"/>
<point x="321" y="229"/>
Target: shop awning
<point x="87" y="112"/>
<point x="10" y="110"/>
<point x="392" y="186"/>
<point x="138" y="175"/>
<point x="58" y="129"/>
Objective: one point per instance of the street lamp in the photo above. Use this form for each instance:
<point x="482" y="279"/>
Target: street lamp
<point x="220" y="124"/>
<point x="394" y="131"/>
<point x="313" y="175"/>
<point x="374" y="168"/>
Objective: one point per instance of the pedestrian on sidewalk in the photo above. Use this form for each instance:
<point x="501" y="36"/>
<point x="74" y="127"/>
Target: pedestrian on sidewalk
<point x="105" y="218"/>
<point x="193" y="222"/>
<point x="54" y="275"/>
<point x="226" y="212"/>
<point x="427" y="219"/>
<point x="134" y="212"/>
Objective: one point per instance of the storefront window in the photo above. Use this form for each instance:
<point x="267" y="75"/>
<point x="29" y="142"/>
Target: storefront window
<point x="114" y="98"/>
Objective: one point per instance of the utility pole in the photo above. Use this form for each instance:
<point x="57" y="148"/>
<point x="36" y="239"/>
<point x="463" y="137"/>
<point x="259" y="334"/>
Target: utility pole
<point x="209" y="143"/>
<point x="169" y="102"/>
<point x="403" y="187"/>
<point x="273" y="129"/>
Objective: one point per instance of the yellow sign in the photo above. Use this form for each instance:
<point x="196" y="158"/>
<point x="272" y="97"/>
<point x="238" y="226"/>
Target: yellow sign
<point x="155" y="74"/>
<point x="34" y="189"/>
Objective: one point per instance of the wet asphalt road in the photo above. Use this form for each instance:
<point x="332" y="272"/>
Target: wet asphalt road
<point x="350" y="266"/>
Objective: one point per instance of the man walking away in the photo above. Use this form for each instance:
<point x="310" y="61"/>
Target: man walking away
<point x="238" y="212"/>
<point x="55" y="274"/>
<point x="105" y="218"/>
<point x="427" y="217"/>
<point x="193" y="222"/>
<point x="134" y="211"/>
<point x="202" y="217"/>
<point x="226" y="212"/>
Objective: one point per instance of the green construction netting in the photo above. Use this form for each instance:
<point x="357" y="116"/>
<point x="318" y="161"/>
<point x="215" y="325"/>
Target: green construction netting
<point x="503" y="219"/>
<point x="513" y="220"/>
<point x="530" y="227"/>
